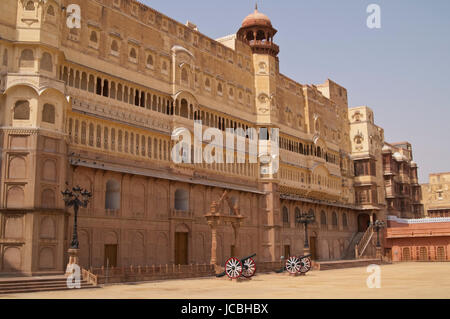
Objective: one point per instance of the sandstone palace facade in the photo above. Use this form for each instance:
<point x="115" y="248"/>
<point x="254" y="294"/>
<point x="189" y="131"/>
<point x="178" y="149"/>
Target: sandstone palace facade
<point x="95" y="106"/>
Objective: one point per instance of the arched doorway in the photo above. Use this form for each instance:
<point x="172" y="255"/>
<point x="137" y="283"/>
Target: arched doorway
<point x="363" y="222"/>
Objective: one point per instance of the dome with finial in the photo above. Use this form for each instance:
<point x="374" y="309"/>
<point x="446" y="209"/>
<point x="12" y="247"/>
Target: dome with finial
<point x="256" y="19"/>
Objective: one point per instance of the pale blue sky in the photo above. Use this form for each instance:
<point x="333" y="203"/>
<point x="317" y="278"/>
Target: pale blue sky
<point x="401" y="71"/>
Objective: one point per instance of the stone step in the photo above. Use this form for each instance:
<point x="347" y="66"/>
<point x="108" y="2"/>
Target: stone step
<point x="324" y="265"/>
<point x="35" y="284"/>
<point x="40" y="289"/>
<point x="31" y="285"/>
<point x="30" y="281"/>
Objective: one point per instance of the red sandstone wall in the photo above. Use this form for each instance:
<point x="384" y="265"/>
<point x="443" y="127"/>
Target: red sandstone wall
<point x="418" y="242"/>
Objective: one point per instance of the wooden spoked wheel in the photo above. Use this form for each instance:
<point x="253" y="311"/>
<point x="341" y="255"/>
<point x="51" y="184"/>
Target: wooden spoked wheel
<point x="233" y="268"/>
<point x="305" y="265"/>
<point x="249" y="268"/>
<point x="293" y="265"/>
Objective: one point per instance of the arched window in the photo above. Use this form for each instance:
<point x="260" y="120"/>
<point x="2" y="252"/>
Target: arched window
<point x="184" y="75"/>
<point x="22" y="110"/>
<point x="48" y="113"/>
<point x="323" y="218"/>
<point x="181" y="200"/>
<point x="112" y="195"/>
<point x="219" y="88"/>
<point x="231" y="92"/>
<point x="26" y="59"/>
<point x="51" y="11"/>
<point x="133" y="54"/>
<point x="29" y="6"/>
<point x="114" y="46"/>
<point x="46" y="62"/>
<point x="285" y="215"/>
<point x="150" y="60"/>
<point x="334" y="219"/>
<point x="233" y="204"/>
<point x="344" y="220"/>
<point x="207" y="83"/>
<point x="297" y="216"/>
<point x="164" y="66"/>
<point x="93" y="37"/>
<point x="184" y="112"/>
<point x="406" y="254"/>
<point x="311" y="212"/>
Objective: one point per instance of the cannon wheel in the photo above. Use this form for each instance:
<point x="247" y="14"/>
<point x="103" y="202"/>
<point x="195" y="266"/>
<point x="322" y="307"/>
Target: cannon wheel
<point x="249" y="268"/>
<point x="293" y="265"/>
<point x="233" y="268"/>
<point x="305" y="265"/>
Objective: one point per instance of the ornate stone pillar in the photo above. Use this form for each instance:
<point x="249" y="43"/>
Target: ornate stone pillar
<point x="213" y="243"/>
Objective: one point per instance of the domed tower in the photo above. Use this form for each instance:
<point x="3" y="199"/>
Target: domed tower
<point x="258" y="32"/>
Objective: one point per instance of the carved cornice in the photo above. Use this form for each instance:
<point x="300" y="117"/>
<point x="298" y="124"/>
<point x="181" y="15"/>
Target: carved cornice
<point x="29" y="131"/>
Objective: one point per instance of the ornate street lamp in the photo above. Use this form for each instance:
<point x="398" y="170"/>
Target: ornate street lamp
<point x="306" y="218"/>
<point x="378" y="225"/>
<point x="76" y="198"/>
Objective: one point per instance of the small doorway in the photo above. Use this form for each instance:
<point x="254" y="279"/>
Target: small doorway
<point x="312" y="248"/>
<point x="363" y="222"/>
<point x="110" y="256"/>
<point x="181" y="248"/>
<point x="287" y="251"/>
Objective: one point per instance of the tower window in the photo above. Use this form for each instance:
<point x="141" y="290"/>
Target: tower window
<point x="22" y="110"/>
<point x="29" y="6"/>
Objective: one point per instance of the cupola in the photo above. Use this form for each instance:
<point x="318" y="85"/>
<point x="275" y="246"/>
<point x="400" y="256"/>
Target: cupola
<point x="258" y="32"/>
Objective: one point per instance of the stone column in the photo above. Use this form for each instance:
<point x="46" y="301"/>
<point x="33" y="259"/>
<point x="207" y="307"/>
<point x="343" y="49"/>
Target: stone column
<point x="213" y="244"/>
<point x="236" y="239"/>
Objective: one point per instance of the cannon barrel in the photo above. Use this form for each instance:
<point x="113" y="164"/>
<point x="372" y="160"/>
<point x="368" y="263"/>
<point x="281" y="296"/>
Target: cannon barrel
<point x="248" y="257"/>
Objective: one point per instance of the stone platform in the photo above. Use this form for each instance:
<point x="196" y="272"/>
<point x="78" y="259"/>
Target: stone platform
<point x="341" y="264"/>
<point x="10" y="285"/>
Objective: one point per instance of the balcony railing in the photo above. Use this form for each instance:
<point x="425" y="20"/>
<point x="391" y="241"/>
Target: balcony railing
<point x="181" y="214"/>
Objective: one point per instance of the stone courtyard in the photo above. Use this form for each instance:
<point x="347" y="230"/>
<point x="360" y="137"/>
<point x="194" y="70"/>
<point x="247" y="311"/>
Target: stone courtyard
<point x="401" y="280"/>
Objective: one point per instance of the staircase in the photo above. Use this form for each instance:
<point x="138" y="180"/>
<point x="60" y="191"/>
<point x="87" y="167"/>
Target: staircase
<point x="361" y="247"/>
<point x="14" y="285"/>
<point x="350" y="252"/>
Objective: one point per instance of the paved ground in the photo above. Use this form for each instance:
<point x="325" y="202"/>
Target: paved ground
<point x="403" y="280"/>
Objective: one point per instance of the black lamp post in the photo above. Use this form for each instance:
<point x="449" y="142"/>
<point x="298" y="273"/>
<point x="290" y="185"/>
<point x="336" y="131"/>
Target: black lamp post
<point x="306" y="218"/>
<point x="77" y="198"/>
<point x="379" y="224"/>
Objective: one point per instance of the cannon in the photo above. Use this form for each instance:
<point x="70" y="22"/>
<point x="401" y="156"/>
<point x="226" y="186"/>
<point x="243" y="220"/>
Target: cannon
<point x="295" y="265"/>
<point x="235" y="268"/>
